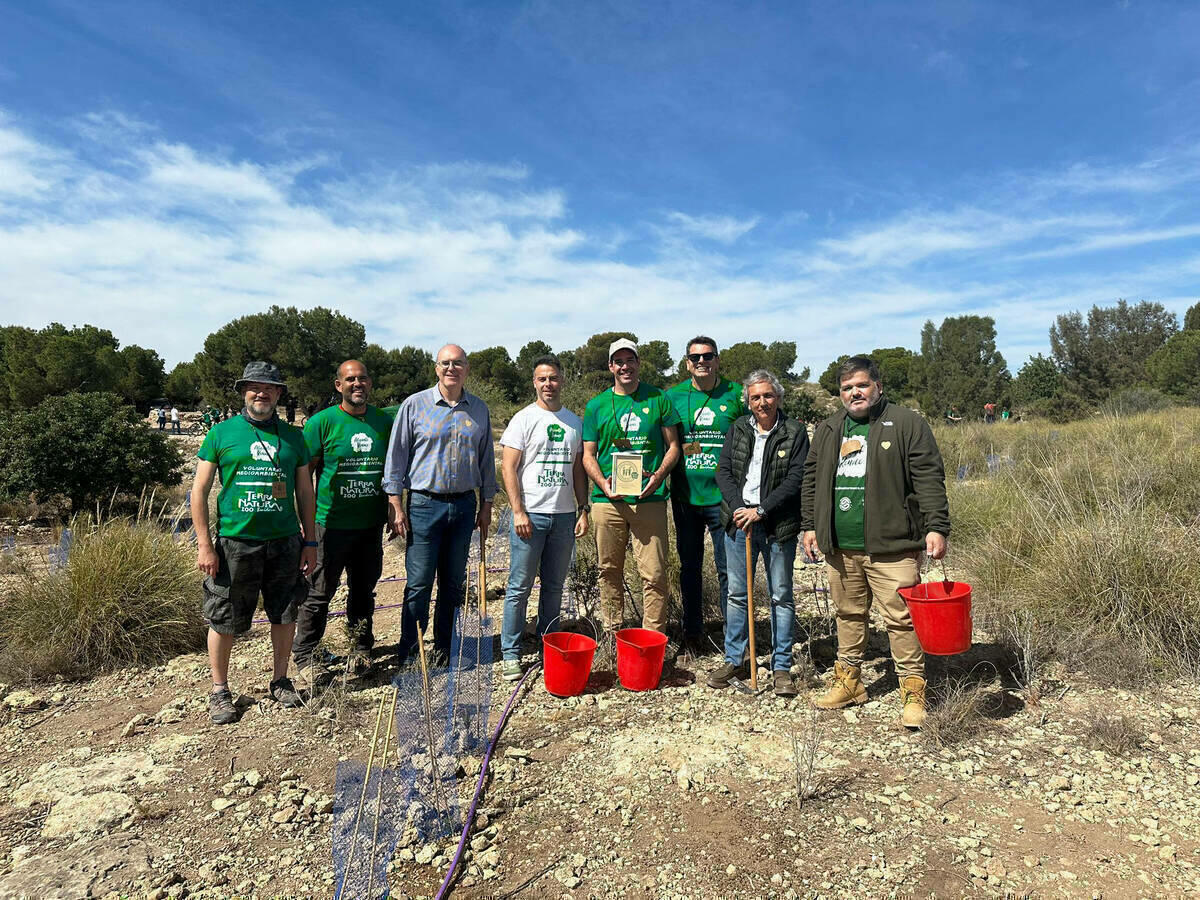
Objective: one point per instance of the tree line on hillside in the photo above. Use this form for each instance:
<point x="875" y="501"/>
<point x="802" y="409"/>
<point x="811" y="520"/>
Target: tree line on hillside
<point x="1093" y="359"/>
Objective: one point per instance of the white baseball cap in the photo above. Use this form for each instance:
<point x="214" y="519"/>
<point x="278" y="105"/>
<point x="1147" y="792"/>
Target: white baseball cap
<point x="622" y="344"/>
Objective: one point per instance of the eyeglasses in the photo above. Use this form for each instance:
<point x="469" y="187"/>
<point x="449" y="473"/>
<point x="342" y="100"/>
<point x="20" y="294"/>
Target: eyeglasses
<point x="702" y="357"/>
<point x="452" y="363"/>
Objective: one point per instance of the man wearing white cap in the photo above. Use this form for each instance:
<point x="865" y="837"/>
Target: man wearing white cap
<point x="635" y="418"/>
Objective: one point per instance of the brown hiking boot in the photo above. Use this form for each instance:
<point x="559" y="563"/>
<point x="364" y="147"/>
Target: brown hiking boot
<point x="784" y="686"/>
<point x="720" y="678"/>
<point x="912" y="695"/>
<point x="846" y="688"/>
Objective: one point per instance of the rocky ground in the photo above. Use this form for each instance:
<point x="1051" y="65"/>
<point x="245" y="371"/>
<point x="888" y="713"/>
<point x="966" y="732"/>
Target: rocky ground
<point x="121" y="787"/>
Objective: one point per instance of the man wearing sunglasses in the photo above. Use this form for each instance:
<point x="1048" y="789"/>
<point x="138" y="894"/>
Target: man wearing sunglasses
<point x="707" y="405"/>
<point x="440" y="452"/>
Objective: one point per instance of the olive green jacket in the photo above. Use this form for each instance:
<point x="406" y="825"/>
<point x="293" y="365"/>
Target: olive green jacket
<point x="905" y="495"/>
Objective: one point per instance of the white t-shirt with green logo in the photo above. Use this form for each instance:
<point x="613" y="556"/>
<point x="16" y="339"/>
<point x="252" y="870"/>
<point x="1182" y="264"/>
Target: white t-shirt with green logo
<point x="550" y="443"/>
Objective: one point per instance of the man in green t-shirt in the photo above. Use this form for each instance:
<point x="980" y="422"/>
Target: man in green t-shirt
<point x="347" y="443"/>
<point x="631" y="417"/>
<point x="707" y="405"/>
<point x="874" y="498"/>
<point x="262" y="545"/>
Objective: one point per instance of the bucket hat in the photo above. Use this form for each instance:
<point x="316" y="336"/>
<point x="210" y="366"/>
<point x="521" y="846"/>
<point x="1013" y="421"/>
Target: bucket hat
<point x="262" y="372"/>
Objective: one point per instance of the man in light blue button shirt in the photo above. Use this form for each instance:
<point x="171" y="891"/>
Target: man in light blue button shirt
<point x="439" y="454"/>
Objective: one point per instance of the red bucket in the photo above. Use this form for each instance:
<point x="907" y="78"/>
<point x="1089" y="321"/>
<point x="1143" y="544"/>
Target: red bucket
<point x="640" y="653"/>
<point x="566" y="662"/>
<point x="941" y="615"/>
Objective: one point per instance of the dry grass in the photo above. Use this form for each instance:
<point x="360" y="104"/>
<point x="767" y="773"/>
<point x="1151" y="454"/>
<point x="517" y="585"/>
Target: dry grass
<point x="956" y="713"/>
<point x="1115" y="735"/>
<point x="128" y="594"/>
<point x="1087" y="541"/>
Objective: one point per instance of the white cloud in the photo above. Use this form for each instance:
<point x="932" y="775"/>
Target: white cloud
<point x="722" y="229"/>
<point x="163" y="242"/>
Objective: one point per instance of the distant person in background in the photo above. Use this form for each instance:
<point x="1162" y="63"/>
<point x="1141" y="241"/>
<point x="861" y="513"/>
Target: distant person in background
<point x="953" y="416"/>
<point x="707" y="406"/>
<point x="760" y="473"/>
<point x="542" y="462"/>
<point x="162" y="418"/>
<point x="1005" y="415"/>
<point x="440" y="453"/>
<point x="631" y="417"/>
<point x="265" y="539"/>
<point x="874" y="497"/>
<point x="290" y="409"/>
<point x="175" y="429"/>
<point x="989" y="413"/>
<point x="347" y="443"/>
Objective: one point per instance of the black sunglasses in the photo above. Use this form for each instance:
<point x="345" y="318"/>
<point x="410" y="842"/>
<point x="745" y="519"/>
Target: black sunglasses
<point x="702" y="357"/>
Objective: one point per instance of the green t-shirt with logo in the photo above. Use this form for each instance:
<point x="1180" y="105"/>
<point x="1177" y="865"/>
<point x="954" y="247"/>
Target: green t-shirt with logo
<point x="849" y="486"/>
<point x="705" y="418"/>
<point x="249" y="460"/>
<point x="349" y="450"/>
<point x="640" y="418"/>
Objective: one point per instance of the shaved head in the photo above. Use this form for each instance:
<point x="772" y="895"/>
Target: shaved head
<point x="345" y="367"/>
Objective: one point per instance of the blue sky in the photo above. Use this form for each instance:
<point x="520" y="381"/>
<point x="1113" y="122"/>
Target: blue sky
<point x="829" y="173"/>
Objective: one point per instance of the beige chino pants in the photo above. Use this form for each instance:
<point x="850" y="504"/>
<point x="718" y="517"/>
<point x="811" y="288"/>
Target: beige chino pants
<point x="855" y="579"/>
<point x="614" y="524"/>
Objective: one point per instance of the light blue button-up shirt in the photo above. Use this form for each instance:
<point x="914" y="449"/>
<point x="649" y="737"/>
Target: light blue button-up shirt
<point x="439" y="447"/>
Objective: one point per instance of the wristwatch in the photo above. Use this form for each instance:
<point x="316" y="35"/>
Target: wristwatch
<point x="587" y="507"/>
<point x="762" y="513"/>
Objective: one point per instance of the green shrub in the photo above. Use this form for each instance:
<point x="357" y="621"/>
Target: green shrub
<point x="85" y="448"/>
<point x="129" y="594"/>
<point x="1133" y="401"/>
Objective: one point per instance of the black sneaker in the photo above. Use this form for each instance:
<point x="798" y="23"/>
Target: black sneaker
<point x="284" y="693"/>
<point x="721" y="677"/>
<point x="221" y="708"/>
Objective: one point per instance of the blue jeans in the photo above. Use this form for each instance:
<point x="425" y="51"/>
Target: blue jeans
<point x="439" y="537"/>
<point x="690" y="524"/>
<point x="547" y="551"/>
<point x="778" y="558"/>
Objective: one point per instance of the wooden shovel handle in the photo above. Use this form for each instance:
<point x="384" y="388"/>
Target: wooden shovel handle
<point x="750" y="611"/>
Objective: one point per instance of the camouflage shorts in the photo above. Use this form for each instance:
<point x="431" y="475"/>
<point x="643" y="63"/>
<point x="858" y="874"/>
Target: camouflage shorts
<point x="248" y="568"/>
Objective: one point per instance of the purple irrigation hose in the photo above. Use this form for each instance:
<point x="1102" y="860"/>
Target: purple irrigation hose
<point x="487" y="758"/>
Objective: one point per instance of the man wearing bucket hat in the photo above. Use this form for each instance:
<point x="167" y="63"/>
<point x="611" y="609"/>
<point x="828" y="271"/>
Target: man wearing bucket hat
<point x="874" y="498"/>
<point x="547" y="489"/>
<point x="262" y="545"/>
<point x="634" y="418"/>
<point x="440" y="453"/>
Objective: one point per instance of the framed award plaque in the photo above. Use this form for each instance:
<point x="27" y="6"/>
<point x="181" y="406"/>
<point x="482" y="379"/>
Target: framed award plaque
<point x="627" y="474"/>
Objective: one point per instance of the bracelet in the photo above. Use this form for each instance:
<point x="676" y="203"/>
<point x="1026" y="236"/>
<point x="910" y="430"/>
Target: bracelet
<point x="310" y="543"/>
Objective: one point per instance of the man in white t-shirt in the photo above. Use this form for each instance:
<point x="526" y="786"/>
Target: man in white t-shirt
<point x="175" y="421"/>
<point x="547" y="490"/>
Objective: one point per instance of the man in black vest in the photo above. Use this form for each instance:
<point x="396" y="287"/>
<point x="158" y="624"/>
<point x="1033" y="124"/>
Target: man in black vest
<point x="759" y="473"/>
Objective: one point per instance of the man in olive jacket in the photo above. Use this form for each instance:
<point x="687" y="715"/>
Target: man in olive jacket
<point x="873" y="498"/>
<point x="759" y="474"/>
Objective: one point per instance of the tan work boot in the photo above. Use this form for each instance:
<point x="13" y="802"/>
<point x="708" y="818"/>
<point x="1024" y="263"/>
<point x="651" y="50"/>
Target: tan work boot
<point x="912" y="695"/>
<point x="846" y="689"/>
